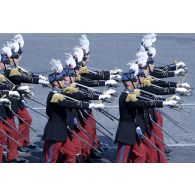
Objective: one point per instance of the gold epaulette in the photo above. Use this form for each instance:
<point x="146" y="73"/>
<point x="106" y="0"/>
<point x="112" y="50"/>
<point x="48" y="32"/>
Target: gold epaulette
<point x="131" y="97"/>
<point x="70" y="90"/>
<point x="78" y="78"/>
<point x="146" y="83"/>
<point x="73" y="85"/>
<point x="14" y="72"/>
<point x="136" y="91"/>
<point x="57" y="97"/>
<point x="84" y="70"/>
<point x="2" y="78"/>
<point x="149" y="78"/>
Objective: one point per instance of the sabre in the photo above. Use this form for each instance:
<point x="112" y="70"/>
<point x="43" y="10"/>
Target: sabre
<point x="86" y="133"/>
<point x="151" y="94"/>
<point x="154" y="134"/>
<point x="154" y="146"/>
<point x="177" y="125"/>
<point x="79" y="137"/>
<point x="37" y="112"/>
<point x="97" y="123"/>
<point x="35" y="131"/>
<point x="67" y="97"/>
<point x="167" y="116"/>
<point x="163" y="130"/>
<point x="13" y="128"/>
<point x="90" y="88"/>
<point x="36" y="101"/>
<point x="10" y="137"/>
<point x="106" y="112"/>
<point x="4" y="147"/>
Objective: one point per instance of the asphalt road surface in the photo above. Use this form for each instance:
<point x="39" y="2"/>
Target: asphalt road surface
<point x="109" y="51"/>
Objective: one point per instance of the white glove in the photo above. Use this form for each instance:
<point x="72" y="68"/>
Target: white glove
<point x="174" y="97"/>
<point x="117" y="71"/>
<point x="25" y="88"/>
<point x="104" y="97"/>
<point x="180" y="65"/>
<point x="180" y="72"/>
<point x="184" y="85"/>
<point x="93" y="105"/>
<point x="171" y="103"/>
<point x="14" y="94"/>
<point x="42" y="77"/>
<point x="5" y="102"/>
<point x="111" y="83"/>
<point x="44" y="82"/>
<point x="110" y="92"/>
<point x="182" y="91"/>
<point x="116" y="77"/>
<point x="100" y="105"/>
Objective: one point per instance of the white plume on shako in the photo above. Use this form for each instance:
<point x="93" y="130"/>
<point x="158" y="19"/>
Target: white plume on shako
<point x="56" y="65"/>
<point x="70" y="61"/>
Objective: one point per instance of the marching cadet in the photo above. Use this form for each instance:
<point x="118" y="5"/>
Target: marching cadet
<point x="97" y="74"/>
<point x="89" y="126"/>
<point x="57" y="133"/>
<point x="145" y="85"/>
<point x="16" y="76"/>
<point x="129" y="133"/>
<point x="163" y="71"/>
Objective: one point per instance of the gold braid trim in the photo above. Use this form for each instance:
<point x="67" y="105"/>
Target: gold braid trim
<point x="2" y="78"/>
<point x="136" y="91"/>
<point x="14" y="72"/>
<point x="78" y="78"/>
<point x="131" y="97"/>
<point x="146" y="83"/>
<point x="57" y="97"/>
<point x="70" y="90"/>
<point x="84" y="70"/>
<point x="149" y="78"/>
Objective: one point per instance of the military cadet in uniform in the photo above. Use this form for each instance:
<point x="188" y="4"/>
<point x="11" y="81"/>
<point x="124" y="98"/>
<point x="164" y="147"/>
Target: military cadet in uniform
<point x="57" y="134"/>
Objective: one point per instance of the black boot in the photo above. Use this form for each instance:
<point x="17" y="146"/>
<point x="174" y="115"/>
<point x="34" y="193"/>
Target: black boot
<point x="31" y="146"/>
<point x="79" y="158"/>
<point x="17" y="160"/>
<point x="23" y="149"/>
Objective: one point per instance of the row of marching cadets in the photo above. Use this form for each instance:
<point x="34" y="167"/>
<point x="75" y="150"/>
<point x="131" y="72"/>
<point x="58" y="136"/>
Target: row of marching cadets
<point x="140" y="135"/>
<point x="70" y="134"/>
<point x="15" y="138"/>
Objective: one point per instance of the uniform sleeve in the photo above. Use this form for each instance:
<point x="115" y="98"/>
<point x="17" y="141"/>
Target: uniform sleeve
<point x="83" y="96"/>
<point x="90" y="83"/>
<point x="168" y="67"/>
<point x="4" y="93"/>
<point x="17" y="77"/>
<point x="143" y="103"/>
<point x="97" y="75"/>
<point x="159" y="90"/>
<point x="59" y="100"/>
<point x="162" y="83"/>
<point x="162" y="74"/>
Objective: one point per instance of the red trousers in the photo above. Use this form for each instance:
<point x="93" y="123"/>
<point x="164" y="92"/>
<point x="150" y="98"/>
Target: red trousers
<point x="130" y="153"/>
<point x="52" y="150"/>
<point x="85" y="149"/>
<point x="151" y="152"/>
<point x="158" y="132"/>
<point x="2" y="140"/>
<point x="159" y="117"/>
<point x="92" y="130"/>
<point x="11" y="145"/>
<point x="23" y="128"/>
